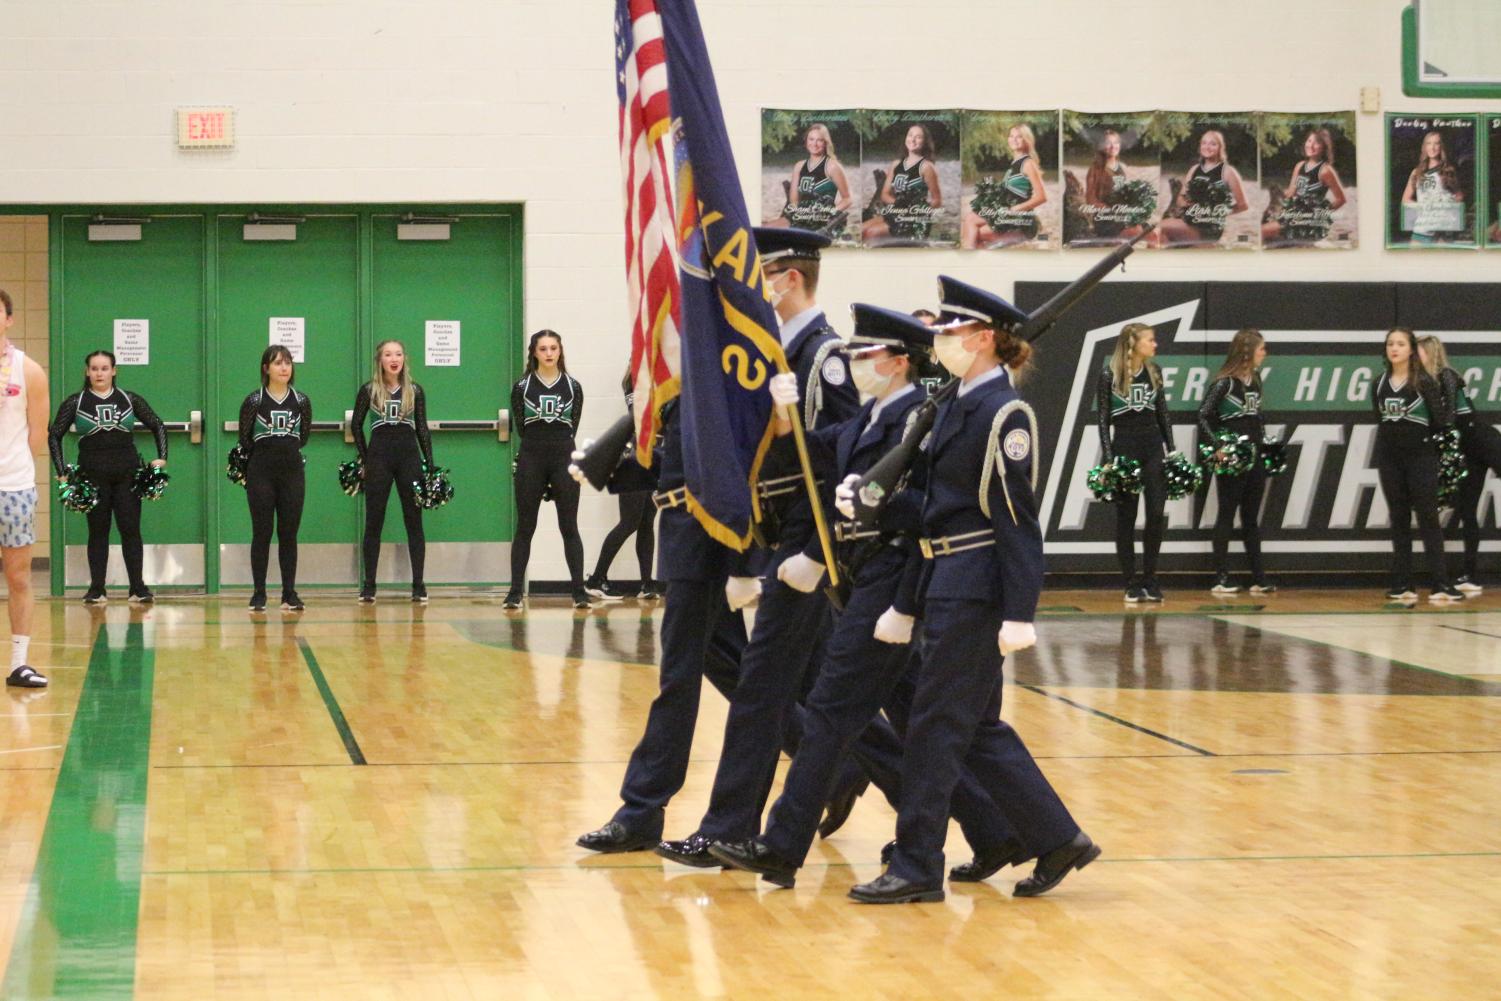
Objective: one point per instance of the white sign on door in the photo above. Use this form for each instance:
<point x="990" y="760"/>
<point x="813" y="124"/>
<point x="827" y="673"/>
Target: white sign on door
<point x="443" y="343"/>
<point x="291" y="333"/>
<point x="132" y="342"/>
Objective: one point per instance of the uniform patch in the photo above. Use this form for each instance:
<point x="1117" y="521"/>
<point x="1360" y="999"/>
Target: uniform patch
<point x="833" y="372"/>
<point x="1018" y="445"/>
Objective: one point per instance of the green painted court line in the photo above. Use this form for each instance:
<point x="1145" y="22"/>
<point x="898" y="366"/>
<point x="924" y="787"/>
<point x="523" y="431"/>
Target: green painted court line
<point x="77" y="934"/>
<point x="332" y="704"/>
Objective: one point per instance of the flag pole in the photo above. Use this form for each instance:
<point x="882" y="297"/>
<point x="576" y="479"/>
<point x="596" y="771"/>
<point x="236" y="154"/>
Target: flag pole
<point x="812" y="486"/>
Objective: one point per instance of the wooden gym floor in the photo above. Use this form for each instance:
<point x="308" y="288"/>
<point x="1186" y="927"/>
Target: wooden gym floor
<point x="1297" y="796"/>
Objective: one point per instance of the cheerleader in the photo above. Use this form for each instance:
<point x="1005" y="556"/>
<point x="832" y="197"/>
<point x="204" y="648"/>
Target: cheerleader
<point x="275" y="421"/>
<point x="1482" y="448"/>
<point x="1410" y="407"/>
<point x="103" y="415"/>
<point x="398" y="447"/>
<point x="551" y="403"/>
<point x="1233" y="404"/>
<point x="1130" y="402"/>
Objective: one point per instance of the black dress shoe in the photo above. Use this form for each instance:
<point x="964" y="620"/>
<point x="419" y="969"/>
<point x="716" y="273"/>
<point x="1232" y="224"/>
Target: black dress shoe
<point x="840" y="805"/>
<point x="888" y="851"/>
<point x="889" y="889"/>
<point x="613" y="837"/>
<point x="987" y="864"/>
<point x="692" y="850"/>
<point x="752" y="855"/>
<point x="1053" y="866"/>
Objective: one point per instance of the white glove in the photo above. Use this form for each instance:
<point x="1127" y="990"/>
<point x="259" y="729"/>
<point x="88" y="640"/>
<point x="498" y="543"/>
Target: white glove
<point x="894" y="627"/>
<point x="577" y="455"/>
<point x="742" y="591"/>
<point x="1016" y="636"/>
<point x="801" y="573"/>
<point x="844" y="496"/>
<point x="783" y="388"/>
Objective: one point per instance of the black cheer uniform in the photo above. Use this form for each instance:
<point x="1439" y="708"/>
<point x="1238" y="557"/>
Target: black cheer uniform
<point x="1232" y="405"/>
<point x="549" y="420"/>
<point x="272" y="434"/>
<point x="637" y="517"/>
<point x="1482" y="448"/>
<point x="107" y="457"/>
<point x="1141" y="431"/>
<point x="1407" y="462"/>
<point x="398" y="445"/>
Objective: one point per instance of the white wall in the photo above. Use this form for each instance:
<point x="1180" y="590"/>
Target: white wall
<point x="509" y="101"/>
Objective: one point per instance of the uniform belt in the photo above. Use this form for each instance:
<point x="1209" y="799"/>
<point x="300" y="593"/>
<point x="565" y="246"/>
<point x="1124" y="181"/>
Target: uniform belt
<point x="948" y="545"/>
<point x="851" y="531"/>
<point x="781" y="486"/>
<point x="670" y="498"/>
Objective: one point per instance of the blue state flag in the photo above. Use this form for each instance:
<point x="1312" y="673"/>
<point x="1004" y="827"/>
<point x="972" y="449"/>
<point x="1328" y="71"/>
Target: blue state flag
<point x="730" y="346"/>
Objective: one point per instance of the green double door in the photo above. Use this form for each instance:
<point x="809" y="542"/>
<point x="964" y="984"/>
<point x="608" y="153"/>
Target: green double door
<point x="215" y="287"/>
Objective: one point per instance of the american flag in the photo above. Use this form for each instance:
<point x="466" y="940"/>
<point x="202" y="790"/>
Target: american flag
<point x="651" y="264"/>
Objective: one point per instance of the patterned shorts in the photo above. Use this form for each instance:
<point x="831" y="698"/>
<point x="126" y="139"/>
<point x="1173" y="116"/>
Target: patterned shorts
<point x="17" y="518"/>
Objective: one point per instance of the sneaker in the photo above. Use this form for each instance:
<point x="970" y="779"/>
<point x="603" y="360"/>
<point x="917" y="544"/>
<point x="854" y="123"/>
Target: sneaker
<point x="1222" y="585"/>
<point x="601" y="588"/>
<point x="95" y="596"/>
<point x="650" y="591"/>
<point x="142" y="595"/>
<point x="258" y="601"/>
<point x="513" y="599"/>
<point x="580" y="598"/>
<point x="1135" y="592"/>
<point x="1468" y="587"/>
<point x="367" y="594"/>
<point x="1401" y="592"/>
<point x="419" y="594"/>
<point x="290" y="602"/>
<point x="1150" y="591"/>
<point x="1445" y="594"/>
<point x="1263" y="587"/>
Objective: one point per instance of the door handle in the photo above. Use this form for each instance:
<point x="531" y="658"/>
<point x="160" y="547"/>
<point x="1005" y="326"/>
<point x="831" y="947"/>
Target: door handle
<point x="193" y="426"/>
<point x="349" y="427"/>
<point x="501" y="426"/>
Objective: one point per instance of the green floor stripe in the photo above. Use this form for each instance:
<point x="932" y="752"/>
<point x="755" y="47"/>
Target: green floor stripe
<point x="77" y="934"/>
<point x="341" y="724"/>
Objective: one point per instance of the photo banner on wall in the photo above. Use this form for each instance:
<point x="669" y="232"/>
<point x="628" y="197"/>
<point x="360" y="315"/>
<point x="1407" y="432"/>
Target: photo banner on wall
<point x="909" y="178"/>
<point x="1432" y="172"/>
<point x="1493" y="183"/>
<point x="808" y="164"/>
<point x="1210" y="188"/>
<point x="1111" y="173"/>
<point x="1308" y="172"/>
<point x="1012" y="196"/>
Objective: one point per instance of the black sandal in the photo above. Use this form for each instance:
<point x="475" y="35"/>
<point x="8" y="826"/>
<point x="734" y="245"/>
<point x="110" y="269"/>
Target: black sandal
<point x="26" y="676"/>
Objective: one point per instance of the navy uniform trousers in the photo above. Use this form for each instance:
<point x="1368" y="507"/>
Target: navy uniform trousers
<point x="956" y="727"/>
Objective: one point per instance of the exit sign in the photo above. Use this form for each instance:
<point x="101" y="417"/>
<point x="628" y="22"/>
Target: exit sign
<point x="205" y="128"/>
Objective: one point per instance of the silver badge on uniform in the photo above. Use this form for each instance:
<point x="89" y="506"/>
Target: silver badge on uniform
<point x="1018" y="445"/>
<point x="833" y="372"/>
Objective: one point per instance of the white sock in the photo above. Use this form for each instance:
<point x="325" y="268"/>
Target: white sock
<point x="18" y="647"/>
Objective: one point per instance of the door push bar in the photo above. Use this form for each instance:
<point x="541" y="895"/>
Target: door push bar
<point x="193" y="426"/>
<point x="501" y="426"/>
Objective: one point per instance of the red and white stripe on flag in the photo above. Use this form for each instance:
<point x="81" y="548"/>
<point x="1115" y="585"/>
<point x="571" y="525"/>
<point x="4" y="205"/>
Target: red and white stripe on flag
<point x="651" y="265"/>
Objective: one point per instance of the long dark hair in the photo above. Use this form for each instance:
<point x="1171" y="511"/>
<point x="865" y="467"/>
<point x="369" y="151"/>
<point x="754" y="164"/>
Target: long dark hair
<point x="1098" y="182"/>
<point x="1242" y="355"/>
<point x="90" y="357"/>
<point x="271" y="354"/>
<point x="1447" y="175"/>
<point x="1415" y="370"/>
<point x="531" y="350"/>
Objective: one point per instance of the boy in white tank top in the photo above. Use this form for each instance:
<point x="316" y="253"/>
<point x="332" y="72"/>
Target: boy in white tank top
<point x="23" y="430"/>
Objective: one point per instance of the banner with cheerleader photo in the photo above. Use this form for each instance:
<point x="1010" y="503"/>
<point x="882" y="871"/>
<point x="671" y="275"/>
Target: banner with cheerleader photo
<point x="1012" y="195"/>
<point x="909" y="178"/>
<point x="1308" y="173"/>
<point x="1493" y="183"/>
<point x="1432" y="175"/>
<point x="1210" y="189"/>
<point x="809" y="160"/>
<point x="1112" y="167"/>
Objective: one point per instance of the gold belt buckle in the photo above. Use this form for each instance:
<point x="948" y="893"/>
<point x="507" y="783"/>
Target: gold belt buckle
<point x="926" y="545"/>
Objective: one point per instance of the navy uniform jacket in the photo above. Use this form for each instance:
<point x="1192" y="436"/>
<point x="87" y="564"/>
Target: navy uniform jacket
<point x="828" y="397"/>
<point x="1008" y="573"/>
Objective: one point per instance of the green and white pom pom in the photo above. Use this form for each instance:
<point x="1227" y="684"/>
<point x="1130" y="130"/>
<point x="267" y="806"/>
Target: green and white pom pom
<point x="1183" y="476"/>
<point x="434" y="489"/>
<point x="78" y="494"/>
<point x="236" y="465"/>
<point x="1231" y="454"/>
<point x="1274" y="456"/>
<point x="1101" y="481"/>
<point x="352" y="476"/>
<point x="1117" y="478"/>
<point x="1452" y="467"/>
<point x="149" y="481"/>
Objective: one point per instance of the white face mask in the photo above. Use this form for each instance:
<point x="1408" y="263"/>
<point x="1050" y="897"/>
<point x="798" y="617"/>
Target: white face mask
<point x="867" y="379"/>
<point x="771" y="287"/>
<point x="952" y="354"/>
